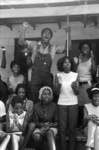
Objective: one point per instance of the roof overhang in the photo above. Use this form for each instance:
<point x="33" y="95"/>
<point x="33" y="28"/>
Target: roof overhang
<point x="48" y="11"/>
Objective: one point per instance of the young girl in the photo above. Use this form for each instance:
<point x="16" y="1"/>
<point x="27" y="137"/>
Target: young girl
<point x="66" y="85"/>
<point x="21" y="91"/>
<point x="15" y="78"/>
<point x="16" y="123"/>
<point x="91" y="119"/>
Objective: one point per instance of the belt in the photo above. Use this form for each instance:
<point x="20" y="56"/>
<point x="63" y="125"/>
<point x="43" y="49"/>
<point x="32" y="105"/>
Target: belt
<point x="85" y="82"/>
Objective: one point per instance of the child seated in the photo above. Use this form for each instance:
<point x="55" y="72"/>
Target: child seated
<point x="21" y="91"/>
<point x="2" y="114"/>
<point x="91" y="119"/>
<point x="45" y="118"/>
<point x="16" y="123"/>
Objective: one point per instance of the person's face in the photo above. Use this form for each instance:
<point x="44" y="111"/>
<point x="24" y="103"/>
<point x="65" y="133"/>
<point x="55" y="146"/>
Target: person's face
<point x="18" y="108"/>
<point x="67" y="65"/>
<point x="21" y="93"/>
<point x="46" y="36"/>
<point x="46" y="96"/>
<point x="95" y="99"/>
<point x="16" y="68"/>
<point x="85" y="49"/>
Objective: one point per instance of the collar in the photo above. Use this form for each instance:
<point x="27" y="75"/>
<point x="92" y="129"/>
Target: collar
<point x="44" y="106"/>
<point x="40" y="44"/>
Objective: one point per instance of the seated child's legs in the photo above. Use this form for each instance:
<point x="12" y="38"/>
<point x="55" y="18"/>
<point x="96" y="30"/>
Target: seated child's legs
<point x="5" y="142"/>
<point x="50" y="134"/>
<point x="90" y="134"/>
<point x="15" y="141"/>
<point x="27" y="135"/>
<point x="37" y="137"/>
<point x="89" y="148"/>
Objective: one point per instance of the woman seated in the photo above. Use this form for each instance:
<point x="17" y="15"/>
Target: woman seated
<point x="45" y="118"/>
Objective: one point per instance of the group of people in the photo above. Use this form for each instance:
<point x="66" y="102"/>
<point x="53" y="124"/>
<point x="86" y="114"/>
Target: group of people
<point x="41" y="117"/>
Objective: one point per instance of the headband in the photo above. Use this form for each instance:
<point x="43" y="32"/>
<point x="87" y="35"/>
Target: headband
<point x="95" y="89"/>
<point x="45" y="88"/>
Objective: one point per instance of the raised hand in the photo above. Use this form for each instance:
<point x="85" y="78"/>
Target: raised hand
<point x="25" y="24"/>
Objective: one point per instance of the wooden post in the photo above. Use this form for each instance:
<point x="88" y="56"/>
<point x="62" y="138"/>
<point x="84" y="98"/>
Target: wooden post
<point x="67" y="50"/>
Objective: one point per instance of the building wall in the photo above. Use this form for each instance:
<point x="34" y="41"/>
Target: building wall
<point x="78" y="32"/>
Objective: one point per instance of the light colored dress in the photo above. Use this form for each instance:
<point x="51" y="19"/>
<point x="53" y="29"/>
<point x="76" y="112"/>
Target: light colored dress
<point x="93" y="129"/>
<point x="19" y="117"/>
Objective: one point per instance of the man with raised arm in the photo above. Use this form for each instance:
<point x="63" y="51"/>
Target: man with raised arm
<point x="40" y="56"/>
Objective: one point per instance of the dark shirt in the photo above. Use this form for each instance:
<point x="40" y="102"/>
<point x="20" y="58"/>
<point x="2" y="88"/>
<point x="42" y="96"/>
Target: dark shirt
<point x="47" y="113"/>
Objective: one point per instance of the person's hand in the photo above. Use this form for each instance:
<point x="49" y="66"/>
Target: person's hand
<point x="73" y="85"/>
<point x="25" y="24"/>
<point x="92" y="55"/>
<point x="3" y="50"/>
<point x="95" y="120"/>
<point x="75" y="60"/>
<point x="11" y="127"/>
<point x="16" y="119"/>
<point x="2" y="133"/>
<point x="60" y="79"/>
<point x="47" y="125"/>
<point x="92" y="117"/>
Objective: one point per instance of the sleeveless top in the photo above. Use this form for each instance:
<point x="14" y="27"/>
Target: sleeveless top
<point x="93" y="129"/>
<point x="20" y="119"/>
<point x="14" y="81"/>
<point x="67" y="96"/>
<point x="84" y="71"/>
<point x="92" y="109"/>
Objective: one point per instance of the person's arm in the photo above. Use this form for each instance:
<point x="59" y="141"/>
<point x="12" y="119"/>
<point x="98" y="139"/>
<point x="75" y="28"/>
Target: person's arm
<point x="30" y="110"/>
<point x="9" y="127"/>
<point x="22" y="127"/>
<point x="87" y="117"/>
<point x="3" y="118"/>
<point x="10" y="89"/>
<point x="57" y="84"/>
<point x="93" y="64"/>
<point x="3" y="62"/>
<point x="29" y="45"/>
<point x="60" y="49"/>
<point x="75" y="86"/>
<point x="3" y="112"/>
<point x="22" y="40"/>
<point x="55" y="118"/>
<point x="36" y="118"/>
<point x="24" y="79"/>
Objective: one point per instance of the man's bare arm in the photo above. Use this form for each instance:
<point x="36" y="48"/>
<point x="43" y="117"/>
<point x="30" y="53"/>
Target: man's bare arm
<point x="22" y="40"/>
<point x="3" y="62"/>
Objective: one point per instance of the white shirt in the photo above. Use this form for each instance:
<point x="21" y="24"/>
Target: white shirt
<point x="92" y="110"/>
<point x="84" y="71"/>
<point x="2" y="109"/>
<point x="67" y="95"/>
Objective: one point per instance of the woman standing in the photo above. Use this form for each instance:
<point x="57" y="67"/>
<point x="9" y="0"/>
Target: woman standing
<point x="86" y="70"/>
<point x="66" y="84"/>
